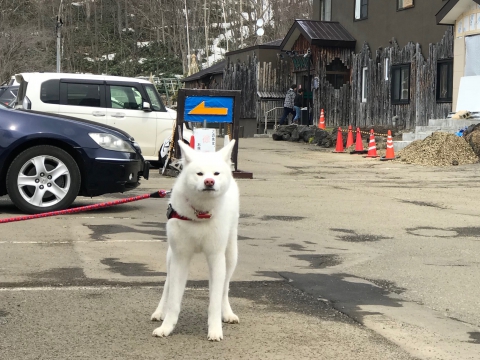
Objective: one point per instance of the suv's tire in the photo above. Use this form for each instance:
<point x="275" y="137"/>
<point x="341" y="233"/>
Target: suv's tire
<point x="42" y="179"/>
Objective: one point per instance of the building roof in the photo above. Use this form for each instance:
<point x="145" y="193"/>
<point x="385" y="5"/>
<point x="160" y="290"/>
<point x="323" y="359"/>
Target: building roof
<point x="450" y="12"/>
<point x="268" y="45"/>
<point x="319" y="33"/>
<point x="212" y="70"/>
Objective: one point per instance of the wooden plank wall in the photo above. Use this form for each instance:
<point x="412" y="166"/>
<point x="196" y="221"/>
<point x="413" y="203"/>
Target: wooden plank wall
<point x="378" y="108"/>
<point x="252" y="76"/>
<point x="243" y="76"/>
<point x="335" y="102"/>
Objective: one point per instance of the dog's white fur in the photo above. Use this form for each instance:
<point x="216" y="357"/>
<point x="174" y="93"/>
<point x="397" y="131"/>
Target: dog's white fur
<point x="215" y="237"/>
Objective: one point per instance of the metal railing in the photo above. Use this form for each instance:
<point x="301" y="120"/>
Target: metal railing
<point x="266" y="116"/>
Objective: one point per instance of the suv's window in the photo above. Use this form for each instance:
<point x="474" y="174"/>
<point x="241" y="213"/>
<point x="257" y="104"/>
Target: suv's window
<point x="155" y="100"/>
<point x="50" y="92"/>
<point x="125" y="97"/>
<point x="83" y="95"/>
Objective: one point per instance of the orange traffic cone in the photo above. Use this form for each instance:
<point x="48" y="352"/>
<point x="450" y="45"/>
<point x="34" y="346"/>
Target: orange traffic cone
<point x="390" y="154"/>
<point x="339" y="146"/>
<point x="349" y="137"/>
<point x="358" y="144"/>
<point x="372" y="147"/>
<point x="321" y="124"/>
<point x="192" y="142"/>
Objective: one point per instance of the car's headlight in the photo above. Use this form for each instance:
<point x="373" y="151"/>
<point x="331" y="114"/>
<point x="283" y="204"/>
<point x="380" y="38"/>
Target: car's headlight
<point x="111" y="142"/>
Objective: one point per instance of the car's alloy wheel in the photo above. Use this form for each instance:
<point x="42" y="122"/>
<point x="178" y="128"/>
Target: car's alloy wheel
<point x="43" y="178"/>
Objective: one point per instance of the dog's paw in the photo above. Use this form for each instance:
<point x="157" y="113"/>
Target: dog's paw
<point x="157" y="316"/>
<point x="215" y="334"/>
<point x="230" y="318"/>
<point x="162" y="331"/>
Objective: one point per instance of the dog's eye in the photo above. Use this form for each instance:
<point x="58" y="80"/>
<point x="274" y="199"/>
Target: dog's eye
<point x="200" y="174"/>
<point x="216" y="174"/>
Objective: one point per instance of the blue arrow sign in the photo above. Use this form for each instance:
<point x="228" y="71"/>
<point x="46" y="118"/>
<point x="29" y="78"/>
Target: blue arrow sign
<point x="213" y="109"/>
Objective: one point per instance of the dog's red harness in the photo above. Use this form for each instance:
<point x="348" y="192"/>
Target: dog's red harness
<point x="172" y="214"/>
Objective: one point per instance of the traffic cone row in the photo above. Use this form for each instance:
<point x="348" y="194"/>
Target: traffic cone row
<point x="372" y="147"/>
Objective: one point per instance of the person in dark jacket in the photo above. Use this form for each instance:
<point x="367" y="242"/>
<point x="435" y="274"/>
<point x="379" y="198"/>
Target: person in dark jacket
<point x="297" y="105"/>
<point x="288" y="103"/>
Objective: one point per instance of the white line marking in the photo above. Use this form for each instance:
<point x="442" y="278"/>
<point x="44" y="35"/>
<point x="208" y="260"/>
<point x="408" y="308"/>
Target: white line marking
<point x="78" y="241"/>
<point x="91" y="288"/>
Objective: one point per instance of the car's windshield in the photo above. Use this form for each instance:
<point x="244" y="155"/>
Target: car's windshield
<point x="155" y="100"/>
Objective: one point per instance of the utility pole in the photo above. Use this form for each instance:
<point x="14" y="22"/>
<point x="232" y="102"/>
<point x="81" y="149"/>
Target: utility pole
<point x="58" y="31"/>
<point x="188" y="39"/>
<point x="241" y="24"/>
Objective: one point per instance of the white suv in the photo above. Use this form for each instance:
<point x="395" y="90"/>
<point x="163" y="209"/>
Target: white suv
<point x="132" y="105"/>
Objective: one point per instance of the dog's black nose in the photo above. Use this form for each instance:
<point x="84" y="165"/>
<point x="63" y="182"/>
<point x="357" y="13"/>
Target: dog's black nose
<point x="209" y="182"/>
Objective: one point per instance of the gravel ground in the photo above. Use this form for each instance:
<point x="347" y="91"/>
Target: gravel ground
<point x="438" y="149"/>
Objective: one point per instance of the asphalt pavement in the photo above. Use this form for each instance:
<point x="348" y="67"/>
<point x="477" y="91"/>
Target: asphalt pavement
<point x="339" y="257"/>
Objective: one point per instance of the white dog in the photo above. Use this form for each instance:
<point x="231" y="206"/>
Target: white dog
<point x="203" y="213"/>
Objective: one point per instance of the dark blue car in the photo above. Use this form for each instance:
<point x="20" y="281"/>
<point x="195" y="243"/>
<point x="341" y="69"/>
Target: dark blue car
<point x="47" y="160"/>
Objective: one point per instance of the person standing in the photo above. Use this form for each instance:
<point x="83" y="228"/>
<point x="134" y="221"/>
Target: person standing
<point x="297" y="105"/>
<point x="288" y="103"/>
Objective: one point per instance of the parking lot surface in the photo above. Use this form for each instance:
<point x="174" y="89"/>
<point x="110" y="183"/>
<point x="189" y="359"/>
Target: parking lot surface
<point x="340" y="257"/>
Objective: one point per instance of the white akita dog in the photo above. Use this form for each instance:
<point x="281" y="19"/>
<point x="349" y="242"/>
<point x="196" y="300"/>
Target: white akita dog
<point x="203" y="217"/>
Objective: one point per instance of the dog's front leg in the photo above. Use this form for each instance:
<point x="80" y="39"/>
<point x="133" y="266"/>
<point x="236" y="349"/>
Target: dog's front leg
<point x="231" y="261"/>
<point x="161" y="310"/>
<point x="177" y="279"/>
<point x="217" y="266"/>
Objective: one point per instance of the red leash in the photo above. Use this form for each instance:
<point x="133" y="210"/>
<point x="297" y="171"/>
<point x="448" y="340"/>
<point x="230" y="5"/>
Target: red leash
<point x="157" y="194"/>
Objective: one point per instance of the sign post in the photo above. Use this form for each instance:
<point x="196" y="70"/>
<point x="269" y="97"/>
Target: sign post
<point x="211" y="106"/>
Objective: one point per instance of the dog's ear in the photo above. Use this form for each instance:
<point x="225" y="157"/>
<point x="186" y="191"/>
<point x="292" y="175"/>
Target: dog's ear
<point x="226" y="152"/>
<point x="187" y="152"/>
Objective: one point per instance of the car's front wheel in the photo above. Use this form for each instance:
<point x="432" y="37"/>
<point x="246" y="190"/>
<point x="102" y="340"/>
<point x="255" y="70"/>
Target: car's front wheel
<point x="42" y="179"/>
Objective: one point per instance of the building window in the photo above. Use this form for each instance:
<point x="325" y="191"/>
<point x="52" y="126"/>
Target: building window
<point x="445" y="80"/>
<point x="337" y="73"/>
<point x="361" y="9"/>
<point x="325" y="10"/>
<point x="401" y="84"/>
<point x="364" y="84"/>
<point x="404" y="4"/>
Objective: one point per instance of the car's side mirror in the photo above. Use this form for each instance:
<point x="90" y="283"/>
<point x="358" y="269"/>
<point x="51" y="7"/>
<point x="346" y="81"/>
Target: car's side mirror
<point x="146" y="106"/>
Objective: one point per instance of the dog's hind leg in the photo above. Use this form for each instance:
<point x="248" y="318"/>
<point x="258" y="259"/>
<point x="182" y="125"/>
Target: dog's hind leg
<point x="177" y="279"/>
<point x="231" y="255"/>
<point x="160" y="312"/>
<point x="217" y="267"/>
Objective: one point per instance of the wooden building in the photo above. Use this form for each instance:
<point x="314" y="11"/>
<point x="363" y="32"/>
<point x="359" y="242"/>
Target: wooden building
<point x="465" y="16"/>
<point x="400" y="62"/>
<point x="259" y="72"/>
<point x="362" y="68"/>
